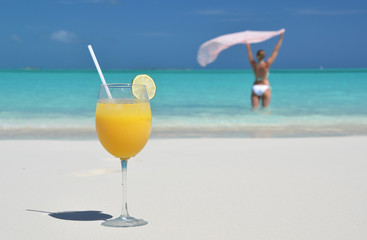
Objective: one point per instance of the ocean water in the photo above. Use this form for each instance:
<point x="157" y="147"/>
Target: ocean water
<point x="199" y="103"/>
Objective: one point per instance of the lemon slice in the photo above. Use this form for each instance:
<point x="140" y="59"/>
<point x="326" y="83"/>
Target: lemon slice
<point x="146" y="80"/>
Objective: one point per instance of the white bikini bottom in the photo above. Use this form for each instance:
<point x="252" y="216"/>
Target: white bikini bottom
<point x="260" y="89"/>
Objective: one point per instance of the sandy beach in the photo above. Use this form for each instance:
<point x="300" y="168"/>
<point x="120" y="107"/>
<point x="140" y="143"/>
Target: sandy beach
<point x="193" y="188"/>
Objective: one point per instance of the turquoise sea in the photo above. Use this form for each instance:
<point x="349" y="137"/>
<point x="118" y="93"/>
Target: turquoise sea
<point x="192" y="103"/>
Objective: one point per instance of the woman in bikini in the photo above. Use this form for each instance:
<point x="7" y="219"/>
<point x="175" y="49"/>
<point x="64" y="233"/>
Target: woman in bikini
<point x="261" y="88"/>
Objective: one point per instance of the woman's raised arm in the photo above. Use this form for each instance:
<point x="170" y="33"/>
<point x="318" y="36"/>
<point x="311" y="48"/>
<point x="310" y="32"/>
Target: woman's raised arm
<point x="275" y="52"/>
<point x="250" y="57"/>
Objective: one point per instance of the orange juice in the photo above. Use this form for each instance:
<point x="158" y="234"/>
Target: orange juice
<point x="123" y="126"/>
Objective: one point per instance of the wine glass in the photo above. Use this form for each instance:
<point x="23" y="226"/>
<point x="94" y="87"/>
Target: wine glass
<point x="123" y="125"/>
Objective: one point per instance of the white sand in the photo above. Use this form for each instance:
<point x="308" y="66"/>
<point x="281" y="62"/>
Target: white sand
<point x="305" y="188"/>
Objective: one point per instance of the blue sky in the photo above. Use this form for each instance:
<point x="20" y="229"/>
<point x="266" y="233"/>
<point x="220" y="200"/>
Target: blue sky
<point x="133" y="34"/>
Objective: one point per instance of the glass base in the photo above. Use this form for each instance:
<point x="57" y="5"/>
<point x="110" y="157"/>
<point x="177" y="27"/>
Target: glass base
<point x="124" y="222"/>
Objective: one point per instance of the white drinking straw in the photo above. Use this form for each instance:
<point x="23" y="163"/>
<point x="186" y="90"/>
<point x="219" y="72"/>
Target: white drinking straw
<point x="99" y="71"/>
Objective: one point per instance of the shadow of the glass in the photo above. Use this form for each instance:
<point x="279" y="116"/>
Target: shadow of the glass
<point x="90" y="215"/>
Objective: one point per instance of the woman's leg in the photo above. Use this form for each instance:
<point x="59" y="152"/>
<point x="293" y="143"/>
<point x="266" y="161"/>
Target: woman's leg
<point x="255" y="100"/>
<point x="266" y="98"/>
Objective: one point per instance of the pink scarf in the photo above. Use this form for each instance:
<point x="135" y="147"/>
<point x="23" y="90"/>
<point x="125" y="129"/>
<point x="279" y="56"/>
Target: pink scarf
<point x="209" y="50"/>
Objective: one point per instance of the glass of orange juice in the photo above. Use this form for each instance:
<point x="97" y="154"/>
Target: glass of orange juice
<point x="123" y="125"/>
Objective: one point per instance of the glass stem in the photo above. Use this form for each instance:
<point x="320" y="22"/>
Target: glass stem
<point x="124" y="212"/>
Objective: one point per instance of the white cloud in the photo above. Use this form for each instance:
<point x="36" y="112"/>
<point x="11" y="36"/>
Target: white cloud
<point x="330" y="12"/>
<point x="64" y="36"/>
<point x="16" y="38"/>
